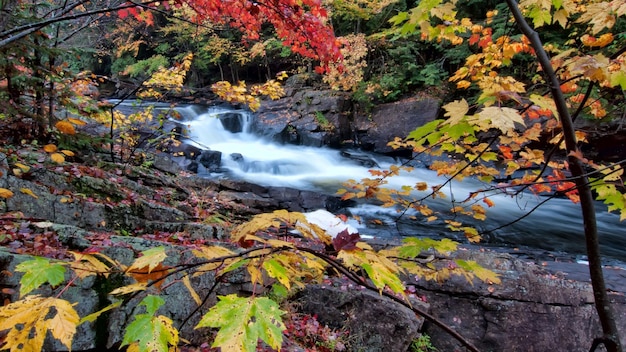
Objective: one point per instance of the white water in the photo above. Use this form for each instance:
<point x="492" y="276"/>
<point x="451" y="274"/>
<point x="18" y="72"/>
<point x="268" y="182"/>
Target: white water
<point x="554" y="226"/>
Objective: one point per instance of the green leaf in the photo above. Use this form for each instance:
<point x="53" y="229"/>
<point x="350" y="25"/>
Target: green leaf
<point x="424" y="130"/>
<point x="37" y="272"/>
<point x="151" y="333"/>
<point x="93" y="316"/>
<point x="242" y="321"/>
<point x="459" y="129"/>
<point x="152" y="303"/>
<point x="276" y="270"/>
<point x="473" y="267"/>
<point x="413" y="246"/>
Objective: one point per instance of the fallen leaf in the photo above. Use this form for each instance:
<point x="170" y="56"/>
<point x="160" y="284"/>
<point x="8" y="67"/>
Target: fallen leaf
<point x="57" y="158"/>
<point x="29" y="192"/>
<point x="5" y="193"/>
<point x="50" y="148"/>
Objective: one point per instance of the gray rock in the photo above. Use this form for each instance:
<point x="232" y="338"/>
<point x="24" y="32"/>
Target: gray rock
<point x="211" y="160"/>
<point x="531" y="310"/>
<point x="375" y="323"/>
<point x="388" y="121"/>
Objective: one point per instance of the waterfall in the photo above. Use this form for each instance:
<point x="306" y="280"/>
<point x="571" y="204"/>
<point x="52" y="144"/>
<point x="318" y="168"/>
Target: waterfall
<point x="555" y="226"/>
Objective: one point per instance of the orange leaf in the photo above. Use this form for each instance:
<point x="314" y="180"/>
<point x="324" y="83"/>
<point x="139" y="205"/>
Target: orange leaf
<point x="50" y="148"/>
<point x="5" y="193"/>
<point x="67" y="152"/>
<point x="65" y="127"/>
<point x="57" y="158"/>
<point x="155" y="275"/>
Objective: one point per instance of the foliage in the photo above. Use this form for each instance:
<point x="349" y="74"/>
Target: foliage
<point x="241" y="321"/>
<point x="240" y="94"/>
<point x="148" y="332"/>
<point x="348" y="75"/>
<point x="422" y="344"/>
<point x="496" y="137"/>
<point x="31" y="318"/>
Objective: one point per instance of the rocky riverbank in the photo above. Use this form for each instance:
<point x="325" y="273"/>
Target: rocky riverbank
<point x="121" y="209"/>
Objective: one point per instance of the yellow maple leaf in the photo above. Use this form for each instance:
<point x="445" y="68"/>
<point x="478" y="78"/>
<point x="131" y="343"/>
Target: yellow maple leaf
<point x="76" y="121"/>
<point x="151" y="258"/>
<point x="138" y="286"/>
<point x="35" y="316"/>
<point x="455" y="111"/>
<point x="502" y="118"/>
<point x="50" y="148"/>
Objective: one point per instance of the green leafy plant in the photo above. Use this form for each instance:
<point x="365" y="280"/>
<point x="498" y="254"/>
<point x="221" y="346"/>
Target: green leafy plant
<point x="422" y="344"/>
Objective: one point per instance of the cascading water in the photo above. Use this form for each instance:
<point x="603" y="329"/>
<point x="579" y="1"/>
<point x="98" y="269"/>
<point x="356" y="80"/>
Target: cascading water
<point x="555" y="226"/>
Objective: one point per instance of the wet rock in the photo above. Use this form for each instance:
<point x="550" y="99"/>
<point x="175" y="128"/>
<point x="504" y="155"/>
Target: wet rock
<point x="388" y="121"/>
<point x="211" y="160"/>
<point x="231" y="122"/>
<point x="375" y="323"/>
<point x="533" y="309"/>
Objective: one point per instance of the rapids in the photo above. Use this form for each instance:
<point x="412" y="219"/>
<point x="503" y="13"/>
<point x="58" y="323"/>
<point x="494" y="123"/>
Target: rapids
<point x="553" y="226"/>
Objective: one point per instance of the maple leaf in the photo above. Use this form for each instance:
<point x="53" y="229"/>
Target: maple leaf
<point x="502" y="118"/>
<point x="29" y="192"/>
<point x="85" y="265"/>
<point x="57" y="158"/>
<point x="150" y="258"/>
<point x="455" y="111"/>
<point x="380" y="269"/>
<point x="65" y="127"/>
<point x="413" y="246"/>
<point x="242" y="321"/>
<point x="278" y="271"/>
<point x="345" y="240"/>
<point x="482" y="273"/>
<point x="30" y="319"/>
<point x="150" y="333"/>
<point x="39" y="271"/>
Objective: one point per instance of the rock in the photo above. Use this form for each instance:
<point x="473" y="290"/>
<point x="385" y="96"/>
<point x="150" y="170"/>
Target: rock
<point x="211" y="160"/>
<point x="392" y="120"/>
<point x="232" y="122"/>
<point x="375" y="323"/>
<point x="306" y="117"/>
<point x="533" y="309"/>
<point x="329" y="222"/>
<point x="166" y="164"/>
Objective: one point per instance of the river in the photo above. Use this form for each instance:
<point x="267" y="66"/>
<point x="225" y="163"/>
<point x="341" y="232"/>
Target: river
<point x="554" y="226"/>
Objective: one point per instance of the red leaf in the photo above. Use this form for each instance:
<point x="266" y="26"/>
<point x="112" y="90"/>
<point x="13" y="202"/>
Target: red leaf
<point x="122" y="13"/>
<point x="345" y="240"/>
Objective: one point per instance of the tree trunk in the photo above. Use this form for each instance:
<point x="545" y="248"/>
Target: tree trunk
<point x="603" y="305"/>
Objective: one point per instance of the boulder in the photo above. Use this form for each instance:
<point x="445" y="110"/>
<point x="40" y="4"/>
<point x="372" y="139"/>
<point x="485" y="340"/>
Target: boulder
<point x="375" y="323"/>
<point x="211" y="160"/>
<point x="310" y="117"/>
<point x="536" y="307"/>
<point x="397" y="119"/>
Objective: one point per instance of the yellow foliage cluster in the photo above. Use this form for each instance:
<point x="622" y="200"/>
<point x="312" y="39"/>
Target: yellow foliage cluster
<point x="168" y="79"/>
<point x="241" y="94"/>
<point x="347" y="75"/>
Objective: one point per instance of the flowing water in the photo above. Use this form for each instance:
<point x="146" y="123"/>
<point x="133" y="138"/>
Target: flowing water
<point x="554" y="226"/>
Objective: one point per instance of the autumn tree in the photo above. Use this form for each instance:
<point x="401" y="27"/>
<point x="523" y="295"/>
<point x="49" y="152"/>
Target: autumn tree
<point x="494" y="135"/>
